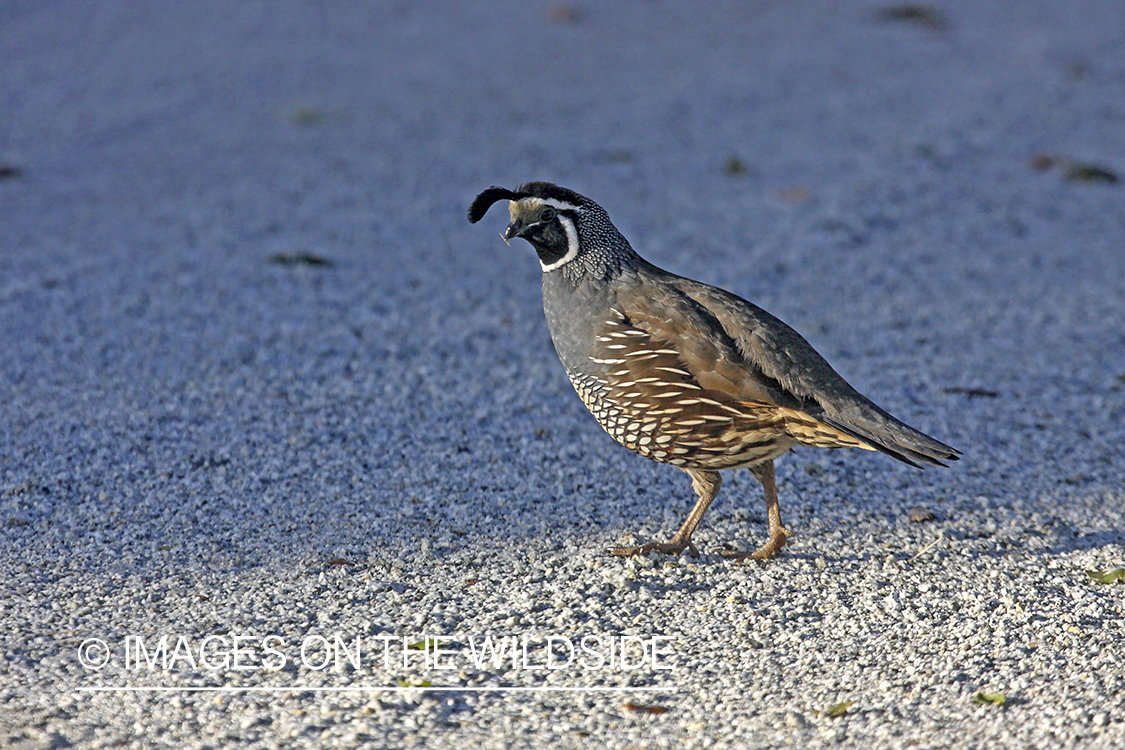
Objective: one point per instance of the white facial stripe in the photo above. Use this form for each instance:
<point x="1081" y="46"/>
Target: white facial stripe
<point x="559" y="205"/>
<point x="571" y="245"/>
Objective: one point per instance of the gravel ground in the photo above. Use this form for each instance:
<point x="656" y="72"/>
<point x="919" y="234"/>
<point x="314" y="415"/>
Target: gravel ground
<point x="262" y="387"/>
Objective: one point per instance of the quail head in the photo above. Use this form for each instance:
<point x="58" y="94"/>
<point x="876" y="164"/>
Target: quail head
<point x="684" y="373"/>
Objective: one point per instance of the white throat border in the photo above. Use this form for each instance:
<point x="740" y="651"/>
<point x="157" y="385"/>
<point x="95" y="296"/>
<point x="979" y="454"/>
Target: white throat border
<point x="571" y="240"/>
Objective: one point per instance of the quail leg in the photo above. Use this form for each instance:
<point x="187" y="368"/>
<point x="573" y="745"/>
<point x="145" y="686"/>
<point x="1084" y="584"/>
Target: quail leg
<point x="706" y="485"/>
<point x="778" y="533"/>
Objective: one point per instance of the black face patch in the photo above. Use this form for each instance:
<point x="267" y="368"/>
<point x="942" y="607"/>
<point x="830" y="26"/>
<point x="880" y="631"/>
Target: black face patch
<point x="549" y="240"/>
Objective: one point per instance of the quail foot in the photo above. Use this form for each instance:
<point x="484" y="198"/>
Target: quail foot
<point x="684" y="373"/>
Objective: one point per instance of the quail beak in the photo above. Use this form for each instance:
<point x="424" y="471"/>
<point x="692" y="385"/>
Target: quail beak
<point x="515" y="229"/>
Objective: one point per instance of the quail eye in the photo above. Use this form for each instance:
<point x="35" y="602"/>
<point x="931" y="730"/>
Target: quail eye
<point x="547" y="214"/>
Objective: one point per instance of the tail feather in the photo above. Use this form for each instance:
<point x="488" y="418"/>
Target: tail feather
<point x="884" y="433"/>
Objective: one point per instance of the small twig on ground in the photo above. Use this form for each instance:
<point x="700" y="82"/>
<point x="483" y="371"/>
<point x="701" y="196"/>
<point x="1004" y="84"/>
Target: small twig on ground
<point x="928" y="547"/>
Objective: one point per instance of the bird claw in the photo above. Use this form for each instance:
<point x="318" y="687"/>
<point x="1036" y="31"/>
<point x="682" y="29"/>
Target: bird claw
<point x="772" y="546"/>
<point x="664" y="548"/>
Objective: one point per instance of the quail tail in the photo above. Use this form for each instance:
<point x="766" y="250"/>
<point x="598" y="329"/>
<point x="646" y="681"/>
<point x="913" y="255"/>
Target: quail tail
<point x="869" y="423"/>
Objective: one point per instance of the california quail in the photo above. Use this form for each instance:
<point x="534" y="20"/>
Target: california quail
<point x="685" y="373"/>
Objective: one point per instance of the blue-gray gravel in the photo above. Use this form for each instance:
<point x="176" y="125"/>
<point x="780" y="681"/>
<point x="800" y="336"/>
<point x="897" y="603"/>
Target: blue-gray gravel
<point x="203" y="434"/>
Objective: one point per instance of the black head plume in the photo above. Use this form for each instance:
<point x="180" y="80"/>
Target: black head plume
<point x="484" y="201"/>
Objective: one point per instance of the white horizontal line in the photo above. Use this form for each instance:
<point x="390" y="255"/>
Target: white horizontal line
<point x="371" y="688"/>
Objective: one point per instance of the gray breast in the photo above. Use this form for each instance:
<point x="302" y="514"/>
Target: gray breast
<point x="574" y="314"/>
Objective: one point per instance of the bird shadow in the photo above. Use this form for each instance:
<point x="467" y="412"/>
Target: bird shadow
<point x="1091" y="541"/>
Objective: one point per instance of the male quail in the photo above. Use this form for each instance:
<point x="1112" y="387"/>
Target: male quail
<point x="685" y="373"/>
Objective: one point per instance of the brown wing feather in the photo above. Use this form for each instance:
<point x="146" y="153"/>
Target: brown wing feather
<point x="694" y="386"/>
<point x="777" y="365"/>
